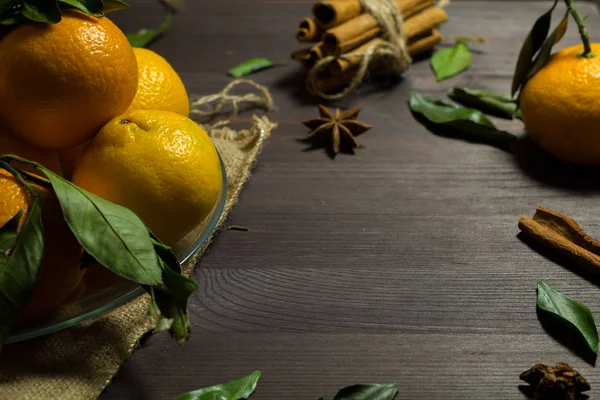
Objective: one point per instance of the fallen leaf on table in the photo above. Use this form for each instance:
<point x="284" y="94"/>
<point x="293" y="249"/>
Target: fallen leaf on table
<point x="456" y="121"/>
<point x="451" y="61"/>
<point x="251" y="66"/>
<point x="238" y="228"/>
<point x="235" y="390"/>
<point x="569" y="312"/>
<point x="144" y="37"/>
<point x="367" y="391"/>
<point x="499" y="105"/>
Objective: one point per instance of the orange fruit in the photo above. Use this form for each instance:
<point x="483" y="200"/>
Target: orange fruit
<point x="61" y="83"/>
<point x="60" y="273"/>
<point x="48" y="158"/>
<point x="560" y="106"/>
<point x="159" y="86"/>
<point x="159" y="164"/>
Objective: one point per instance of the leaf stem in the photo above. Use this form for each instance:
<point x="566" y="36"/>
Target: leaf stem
<point x="29" y="176"/>
<point x="19" y="177"/>
<point x="583" y="31"/>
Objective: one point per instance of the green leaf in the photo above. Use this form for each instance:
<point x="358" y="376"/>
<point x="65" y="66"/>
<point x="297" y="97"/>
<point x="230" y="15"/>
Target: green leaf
<point x="112" y="5"/>
<point x="92" y="7"/>
<point x="546" y="49"/>
<point x="370" y="391"/>
<point x="235" y="390"/>
<point x="12" y="20"/>
<point x="451" y="61"/>
<point x="144" y="37"/>
<point x="173" y="302"/>
<point x="457" y="121"/>
<point x="250" y="66"/>
<point x="110" y="233"/>
<point x="19" y="271"/>
<point x="115" y="237"/>
<point x="10" y="12"/>
<point x="238" y="228"/>
<point x="533" y="42"/>
<point x="496" y="104"/>
<point x="569" y="312"/>
<point x="9" y="233"/>
<point x="46" y="11"/>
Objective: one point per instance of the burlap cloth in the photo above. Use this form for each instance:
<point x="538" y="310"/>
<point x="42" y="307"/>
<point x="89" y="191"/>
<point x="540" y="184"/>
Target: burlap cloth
<point x="79" y="362"/>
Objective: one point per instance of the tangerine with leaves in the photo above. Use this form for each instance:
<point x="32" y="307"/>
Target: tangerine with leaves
<point x="61" y="83"/>
<point x="60" y="272"/>
<point x="560" y="106"/>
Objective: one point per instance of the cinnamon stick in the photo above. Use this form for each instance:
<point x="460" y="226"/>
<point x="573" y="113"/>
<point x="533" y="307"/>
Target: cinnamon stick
<point x="423" y="44"/>
<point x="363" y="28"/>
<point x="314" y="55"/>
<point x="417" y="8"/>
<point x="416" y="47"/>
<point x="564" y="236"/>
<point x="331" y="13"/>
<point x="328" y="83"/>
<point x="309" y="31"/>
<point x="424" y="22"/>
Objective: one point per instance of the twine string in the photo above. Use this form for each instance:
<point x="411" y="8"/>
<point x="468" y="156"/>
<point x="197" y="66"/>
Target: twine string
<point x="389" y="17"/>
<point x="210" y="105"/>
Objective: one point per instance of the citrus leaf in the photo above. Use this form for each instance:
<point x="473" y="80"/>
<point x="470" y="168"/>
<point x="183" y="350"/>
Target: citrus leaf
<point x="546" y="49"/>
<point x="92" y="7"/>
<point x="450" y="119"/>
<point x="496" y="104"/>
<point x="112" y="5"/>
<point x="533" y="42"/>
<point x="238" y="228"/>
<point x="46" y="11"/>
<point x="10" y="12"/>
<point x="173" y="302"/>
<point x="369" y="391"/>
<point x="8" y="233"/>
<point x="442" y="112"/>
<point x="451" y="61"/>
<point x="251" y="66"/>
<point x="235" y="390"/>
<point x="13" y="20"/>
<point x="144" y="37"/>
<point x="19" y="271"/>
<point x="116" y="238"/>
<point x="568" y="312"/>
<point x="110" y="233"/>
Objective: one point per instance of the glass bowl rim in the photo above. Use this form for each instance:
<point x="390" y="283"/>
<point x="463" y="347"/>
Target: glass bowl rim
<point x="138" y="291"/>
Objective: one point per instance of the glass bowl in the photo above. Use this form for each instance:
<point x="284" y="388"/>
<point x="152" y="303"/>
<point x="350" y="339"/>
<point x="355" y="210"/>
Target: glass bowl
<point x="101" y="291"/>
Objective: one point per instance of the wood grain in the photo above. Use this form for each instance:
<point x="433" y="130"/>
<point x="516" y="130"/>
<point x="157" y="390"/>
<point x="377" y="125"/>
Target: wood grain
<point x="399" y="263"/>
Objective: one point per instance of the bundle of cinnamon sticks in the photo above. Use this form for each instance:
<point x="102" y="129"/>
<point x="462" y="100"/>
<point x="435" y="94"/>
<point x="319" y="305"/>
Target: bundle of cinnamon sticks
<point x="340" y="27"/>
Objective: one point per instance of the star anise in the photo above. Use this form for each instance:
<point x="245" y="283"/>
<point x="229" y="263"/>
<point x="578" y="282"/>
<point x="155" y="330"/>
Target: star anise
<point x="337" y="124"/>
<point x="558" y="382"/>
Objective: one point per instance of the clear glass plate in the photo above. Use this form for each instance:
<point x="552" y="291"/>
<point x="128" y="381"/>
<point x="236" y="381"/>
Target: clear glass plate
<point x="101" y="291"/>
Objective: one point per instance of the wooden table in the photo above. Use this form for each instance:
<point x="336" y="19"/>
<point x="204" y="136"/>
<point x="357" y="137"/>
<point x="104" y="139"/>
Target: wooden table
<point x="398" y="264"/>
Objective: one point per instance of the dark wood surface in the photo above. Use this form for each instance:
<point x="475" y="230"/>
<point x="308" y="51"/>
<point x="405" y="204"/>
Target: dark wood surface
<point x="400" y="263"/>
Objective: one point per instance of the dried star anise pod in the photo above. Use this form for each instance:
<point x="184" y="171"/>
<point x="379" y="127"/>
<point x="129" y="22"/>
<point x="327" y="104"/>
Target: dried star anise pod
<point x="337" y="124"/>
<point x="558" y="382"/>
